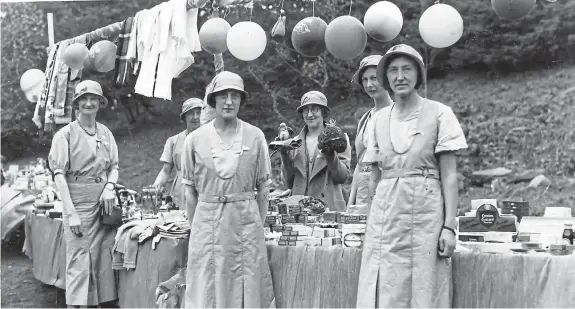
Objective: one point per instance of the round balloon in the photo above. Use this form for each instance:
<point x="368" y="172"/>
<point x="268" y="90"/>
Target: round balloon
<point x="345" y="37"/>
<point x="383" y="21"/>
<point x="512" y="9"/>
<point x="213" y="35"/>
<point x="74" y="56"/>
<point x="32" y="82"/>
<point x="246" y="40"/>
<point x="440" y="26"/>
<point x="308" y="36"/>
<point x="103" y="55"/>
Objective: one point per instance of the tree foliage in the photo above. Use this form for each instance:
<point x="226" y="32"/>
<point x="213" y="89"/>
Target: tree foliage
<point x="280" y="76"/>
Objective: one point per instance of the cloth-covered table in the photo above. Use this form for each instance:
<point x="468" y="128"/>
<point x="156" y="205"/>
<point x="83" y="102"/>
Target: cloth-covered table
<point x="327" y="276"/>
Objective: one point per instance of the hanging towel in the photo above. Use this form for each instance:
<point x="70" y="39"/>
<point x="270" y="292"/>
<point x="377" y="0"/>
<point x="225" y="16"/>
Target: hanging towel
<point x="123" y="67"/>
<point x="40" y="111"/>
<point x="131" y="53"/>
<point x="145" y="83"/>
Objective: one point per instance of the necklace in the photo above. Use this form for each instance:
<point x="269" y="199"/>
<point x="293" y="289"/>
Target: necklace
<point x="229" y="146"/>
<point x="91" y="134"/>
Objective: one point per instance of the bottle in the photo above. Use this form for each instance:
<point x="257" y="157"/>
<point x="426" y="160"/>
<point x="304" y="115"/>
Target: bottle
<point x="568" y="234"/>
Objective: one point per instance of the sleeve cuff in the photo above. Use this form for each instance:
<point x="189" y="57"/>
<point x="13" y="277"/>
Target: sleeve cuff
<point x="59" y="171"/>
<point x="371" y="156"/>
<point x="454" y="146"/>
<point x="188" y="182"/>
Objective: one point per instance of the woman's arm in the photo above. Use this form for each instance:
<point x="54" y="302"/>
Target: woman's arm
<point x="288" y="169"/>
<point x="64" y="192"/>
<point x="263" y="198"/>
<point x="373" y="181"/>
<point x="338" y="165"/>
<point x="449" y="186"/>
<point x="164" y="174"/>
<point x="191" y="195"/>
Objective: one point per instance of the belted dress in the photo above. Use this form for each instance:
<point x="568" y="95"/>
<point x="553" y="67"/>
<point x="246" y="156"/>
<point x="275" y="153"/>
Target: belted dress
<point x="86" y="161"/>
<point x="173" y="155"/>
<point x="227" y="257"/>
<point x="358" y="194"/>
<point x="400" y="264"/>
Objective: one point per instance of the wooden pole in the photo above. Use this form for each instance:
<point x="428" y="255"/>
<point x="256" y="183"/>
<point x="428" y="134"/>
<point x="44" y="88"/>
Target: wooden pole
<point x="50" y="29"/>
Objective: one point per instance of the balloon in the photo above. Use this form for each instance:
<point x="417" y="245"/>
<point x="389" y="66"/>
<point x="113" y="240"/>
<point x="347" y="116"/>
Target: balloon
<point x="74" y="56"/>
<point x="246" y="40"/>
<point x="88" y="64"/>
<point x="103" y="55"/>
<point x="32" y="83"/>
<point x="213" y="35"/>
<point x="512" y="9"/>
<point x="345" y="37"/>
<point x="383" y="21"/>
<point x="308" y="36"/>
<point x="440" y="26"/>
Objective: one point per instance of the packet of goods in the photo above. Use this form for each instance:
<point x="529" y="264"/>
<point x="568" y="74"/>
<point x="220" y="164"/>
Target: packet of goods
<point x="353" y="235"/>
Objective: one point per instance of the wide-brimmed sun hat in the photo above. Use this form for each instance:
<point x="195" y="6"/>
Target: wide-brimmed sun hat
<point x="404" y="50"/>
<point x="91" y="87"/>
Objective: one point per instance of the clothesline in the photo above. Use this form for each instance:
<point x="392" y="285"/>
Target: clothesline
<point x="110" y="32"/>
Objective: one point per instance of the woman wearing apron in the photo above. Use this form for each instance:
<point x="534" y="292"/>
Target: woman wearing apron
<point x="171" y="157"/>
<point x="365" y="78"/>
<point x="84" y="160"/>
<point x="223" y="163"/>
<point x="411" y="226"/>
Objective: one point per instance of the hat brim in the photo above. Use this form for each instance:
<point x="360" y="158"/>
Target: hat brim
<point x="77" y="96"/>
<point x="312" y="103"/>
<point x="382" y="66"/>
<point x="222" y="88"/>
<point x="356" y="79"/>
<point x="187" y="110"/>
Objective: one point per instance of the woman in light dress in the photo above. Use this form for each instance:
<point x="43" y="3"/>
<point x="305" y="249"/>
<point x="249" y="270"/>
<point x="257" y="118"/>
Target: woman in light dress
<point x="84" y="160"/>
<point x="172" y="155"/>
<point x="226" y="173"/>
<point x="411" y="225"/>
<point x="365" y="77"/>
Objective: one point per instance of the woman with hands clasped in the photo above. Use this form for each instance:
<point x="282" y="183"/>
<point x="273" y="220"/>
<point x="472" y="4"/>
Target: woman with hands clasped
<point x="411" y="227"/>
<point x="307" y="170"/>
<point x="84" y="160"/>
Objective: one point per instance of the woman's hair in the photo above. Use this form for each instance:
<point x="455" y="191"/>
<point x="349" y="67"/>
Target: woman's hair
<point x="413" y="61"/>
<point x="76" y="106"/>
<point x="324" y="111"/>
<point x="212" y="98"/>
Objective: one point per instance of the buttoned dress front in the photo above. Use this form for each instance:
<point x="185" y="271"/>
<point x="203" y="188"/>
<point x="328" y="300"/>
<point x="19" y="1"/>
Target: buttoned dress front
<point x="227" y="259"/>
<point x="85" y="161"/>
<point x="173" y="155"/>
<point x="400" y="264"/>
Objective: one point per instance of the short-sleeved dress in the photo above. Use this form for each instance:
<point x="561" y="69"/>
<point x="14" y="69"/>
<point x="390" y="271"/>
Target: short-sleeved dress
<point x="86" y="161"/>
<point x="400" y="264"/>
<point x="227" y="259"/>
<point x="359" y="194"/>
<point x="173" y="155"/>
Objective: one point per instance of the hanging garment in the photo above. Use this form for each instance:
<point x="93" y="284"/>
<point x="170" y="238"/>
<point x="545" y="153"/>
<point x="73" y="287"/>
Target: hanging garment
<point x="400" y="265"/>
<point x="132" y="45"/>
<point x="147" y="53"/>
<point x="123" y="68"/>
<point x="40" y="111"/>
